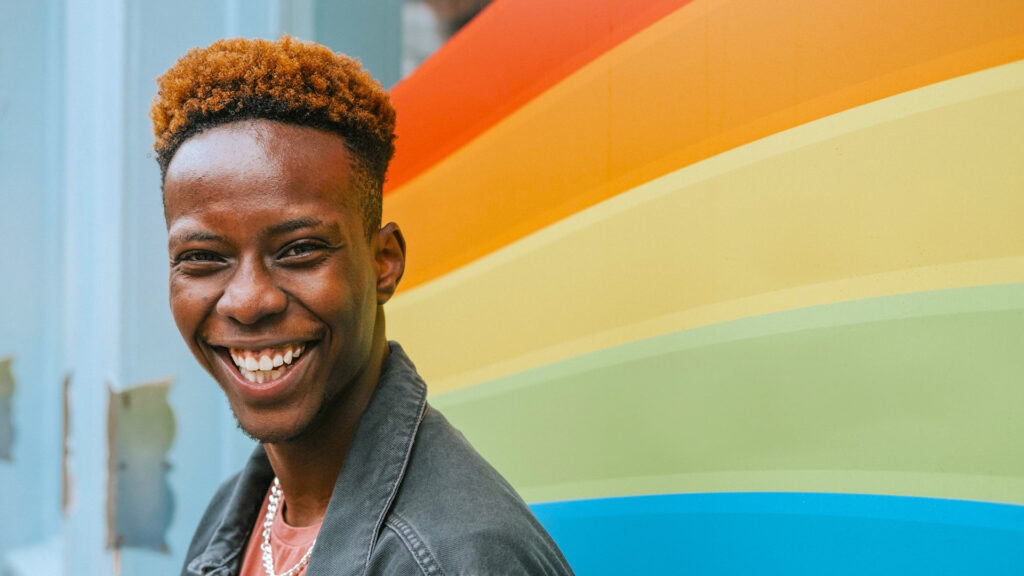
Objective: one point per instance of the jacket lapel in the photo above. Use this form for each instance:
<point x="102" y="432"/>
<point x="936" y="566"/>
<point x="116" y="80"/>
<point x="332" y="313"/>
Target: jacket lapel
<point x="373" y="471"/>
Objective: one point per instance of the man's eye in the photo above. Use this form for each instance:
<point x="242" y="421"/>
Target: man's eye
<point x="199" y="256"/>
<point x="198" y="262"/>
<point x="301" y="249"/>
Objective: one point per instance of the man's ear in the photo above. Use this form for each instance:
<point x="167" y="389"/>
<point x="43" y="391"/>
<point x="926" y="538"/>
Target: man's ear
<point x="389" y="258"/>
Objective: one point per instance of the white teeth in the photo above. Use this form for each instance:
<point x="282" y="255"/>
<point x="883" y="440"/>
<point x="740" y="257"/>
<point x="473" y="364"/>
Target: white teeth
<point x="268" y="366"/>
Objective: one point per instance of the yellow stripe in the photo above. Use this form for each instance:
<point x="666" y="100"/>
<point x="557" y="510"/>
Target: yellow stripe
<point x="921" y="191"/>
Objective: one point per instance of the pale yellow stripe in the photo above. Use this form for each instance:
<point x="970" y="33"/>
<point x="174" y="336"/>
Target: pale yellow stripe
<point x="1006" y="489"/>
<point x="921" y="191"/>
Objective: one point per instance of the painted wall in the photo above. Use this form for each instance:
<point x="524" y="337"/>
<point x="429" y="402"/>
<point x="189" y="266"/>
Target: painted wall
<point x="720" y="286"/>
<point x="729" y="287"/>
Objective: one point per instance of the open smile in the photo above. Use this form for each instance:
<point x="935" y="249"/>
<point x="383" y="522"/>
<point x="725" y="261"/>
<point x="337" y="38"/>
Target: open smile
<point x="266" y="372"/>
<point x="267" y="364"/>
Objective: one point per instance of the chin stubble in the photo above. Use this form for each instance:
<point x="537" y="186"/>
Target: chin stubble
<point x="268" y="438"/>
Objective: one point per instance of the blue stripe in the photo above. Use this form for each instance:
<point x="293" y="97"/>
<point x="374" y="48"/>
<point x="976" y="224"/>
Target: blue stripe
<point x="786" y="533"/>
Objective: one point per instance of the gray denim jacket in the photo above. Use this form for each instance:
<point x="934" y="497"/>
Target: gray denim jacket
<point x="413" y="498"/>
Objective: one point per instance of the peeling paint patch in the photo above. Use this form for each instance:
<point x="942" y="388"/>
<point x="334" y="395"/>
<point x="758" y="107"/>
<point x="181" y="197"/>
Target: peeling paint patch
<point x="140" y="430"/>
<point x="6" y="416"/>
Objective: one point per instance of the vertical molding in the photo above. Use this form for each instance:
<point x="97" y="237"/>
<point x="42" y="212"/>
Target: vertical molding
<point x="369" y="30"/>
<point x="252" y="18"/>
<point x="231" y="18"/>
<point x="54" y="376"/>
<point x="296" y="17"/>
<point x="273" y="13"/>
<point x="93" y="195"/>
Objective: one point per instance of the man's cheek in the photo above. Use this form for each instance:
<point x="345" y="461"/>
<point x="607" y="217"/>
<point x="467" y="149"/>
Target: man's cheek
<point x="188" y="308"/>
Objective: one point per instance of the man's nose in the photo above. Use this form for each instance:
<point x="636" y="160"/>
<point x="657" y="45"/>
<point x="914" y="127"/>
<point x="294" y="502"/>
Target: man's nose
<point x="251" y="294"/>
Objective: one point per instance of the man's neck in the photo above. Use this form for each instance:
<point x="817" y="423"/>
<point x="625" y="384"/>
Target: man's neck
<point x="308" y="466"/>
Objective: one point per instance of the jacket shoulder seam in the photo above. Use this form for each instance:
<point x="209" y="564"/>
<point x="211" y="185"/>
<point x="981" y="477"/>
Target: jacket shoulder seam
<point x="414" y="543"/>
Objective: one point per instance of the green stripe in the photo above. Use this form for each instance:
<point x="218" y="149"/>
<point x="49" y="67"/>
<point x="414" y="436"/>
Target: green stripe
<point x="919" y="394"/>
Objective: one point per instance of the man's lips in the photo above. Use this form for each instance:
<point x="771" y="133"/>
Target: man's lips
<point x="263" y="371"/>
<point x="265" y="363"/>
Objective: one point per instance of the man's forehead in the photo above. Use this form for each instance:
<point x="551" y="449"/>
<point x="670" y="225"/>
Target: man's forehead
<point x="256" y="144"/>
<point x="261" y="161"/>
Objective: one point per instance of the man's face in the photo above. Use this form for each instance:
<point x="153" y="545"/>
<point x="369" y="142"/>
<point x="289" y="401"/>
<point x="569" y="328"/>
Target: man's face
<point x="273" y="283"/>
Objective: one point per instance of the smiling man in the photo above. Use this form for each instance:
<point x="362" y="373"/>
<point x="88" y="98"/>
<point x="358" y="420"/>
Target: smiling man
<point x="273" y="155"/>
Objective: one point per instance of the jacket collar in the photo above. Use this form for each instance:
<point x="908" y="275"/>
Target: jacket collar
<point x="368" y="483"/>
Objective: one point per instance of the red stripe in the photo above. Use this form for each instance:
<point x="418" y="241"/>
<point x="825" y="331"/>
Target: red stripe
<point x="510" y="53"/>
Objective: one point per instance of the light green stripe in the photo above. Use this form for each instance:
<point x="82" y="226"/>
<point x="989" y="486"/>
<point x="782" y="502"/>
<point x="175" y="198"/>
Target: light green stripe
<point x="919" y="394"/>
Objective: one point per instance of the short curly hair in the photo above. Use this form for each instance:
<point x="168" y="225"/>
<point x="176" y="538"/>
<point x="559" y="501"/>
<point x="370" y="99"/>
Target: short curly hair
<point x="288" y="81"/>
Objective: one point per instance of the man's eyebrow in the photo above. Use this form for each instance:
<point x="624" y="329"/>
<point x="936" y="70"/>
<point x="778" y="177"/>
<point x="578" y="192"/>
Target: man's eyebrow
<point x="295" y="224"/>
<point x="195" y="236"/>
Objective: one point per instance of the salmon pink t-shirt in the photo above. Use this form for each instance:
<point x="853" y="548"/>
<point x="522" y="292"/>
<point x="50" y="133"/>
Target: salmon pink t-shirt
<point x="289" y="543"/>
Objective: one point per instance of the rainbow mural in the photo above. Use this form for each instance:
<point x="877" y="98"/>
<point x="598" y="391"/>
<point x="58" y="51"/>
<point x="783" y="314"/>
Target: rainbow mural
<point x="729" y="287"/>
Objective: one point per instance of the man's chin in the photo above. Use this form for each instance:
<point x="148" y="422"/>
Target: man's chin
<point x="265" y="435"/>
<point x="276" y="427"/>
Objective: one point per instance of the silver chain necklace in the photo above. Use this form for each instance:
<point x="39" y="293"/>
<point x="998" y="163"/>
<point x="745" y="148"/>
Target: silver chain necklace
<point x="268" y="521"/>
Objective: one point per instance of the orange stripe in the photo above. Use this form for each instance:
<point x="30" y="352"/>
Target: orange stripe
<point x="707" y="78"/>
<point x="510" y="53"/>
